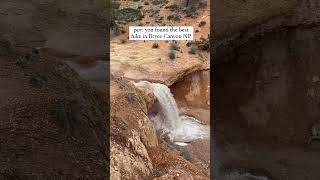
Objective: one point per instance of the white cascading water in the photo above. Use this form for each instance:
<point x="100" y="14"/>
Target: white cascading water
<point x="180" y="129"/>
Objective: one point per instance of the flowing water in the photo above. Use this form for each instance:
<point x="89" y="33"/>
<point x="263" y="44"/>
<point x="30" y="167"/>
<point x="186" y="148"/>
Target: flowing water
<point x="167" y="118"/>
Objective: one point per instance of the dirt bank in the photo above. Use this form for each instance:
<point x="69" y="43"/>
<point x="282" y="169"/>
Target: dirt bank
<point x="52" y="121"/>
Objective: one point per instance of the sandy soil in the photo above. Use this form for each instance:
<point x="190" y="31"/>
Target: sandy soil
<point x="145" y="63"/>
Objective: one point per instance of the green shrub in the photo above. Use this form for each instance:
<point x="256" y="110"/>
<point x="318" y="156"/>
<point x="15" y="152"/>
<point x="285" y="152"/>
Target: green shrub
<point x="174" y="17"/>
<point x="203" y="44"/>
<point x="202" y="23"/>
<point x="174" y="8"/>
<point x="115" y="4"/>
<point x="157" y="2"/>
<point x="186" y="154"/>
<point x="171" y="55"/>
<point x="174" y="46"/>
<point x="193" y="7"/>
<point x="128" y="14"/>
<point x="155" y="45"/>
<point x="193" y="50"/>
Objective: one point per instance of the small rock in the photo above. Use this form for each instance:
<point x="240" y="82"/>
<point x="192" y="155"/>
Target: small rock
<point x="38" y="80"/>
<point x="311" y="93"/>
<point x="276" y="75"/>
<point x="131" y="97"/>
<point x="6" y="44"/>
<point x="315" y="79"/>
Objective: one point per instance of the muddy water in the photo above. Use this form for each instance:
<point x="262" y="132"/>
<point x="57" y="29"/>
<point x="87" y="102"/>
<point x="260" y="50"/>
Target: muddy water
<point x="192" y="94"/>
<point x="267" y="102"/>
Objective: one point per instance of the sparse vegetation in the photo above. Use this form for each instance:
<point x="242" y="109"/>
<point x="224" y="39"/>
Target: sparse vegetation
<point x="115" y="31"/>
<point x="174" y="46"/>
<point x="152" y="12"/>
<point x="174" y="17"/>
<point x="171" y="55"/>
<point x="115" y="4"/>
<point x="128" y="14"/>
<point x="174" y="8"/>
<point x="193" y="6"/>
<point x="202" y="23"/>
<point x="157" y="2"/>
<point x="202" y="44"/>
<point x="191" y="13"/>
<point x="155" y="45"/>
<point x="193" y="50"/>
<point x="185" y="154"/>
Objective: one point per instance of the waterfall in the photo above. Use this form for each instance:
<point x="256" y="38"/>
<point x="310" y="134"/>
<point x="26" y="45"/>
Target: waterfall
<point x="167" y="119"/>
<point x="169" y="108"/>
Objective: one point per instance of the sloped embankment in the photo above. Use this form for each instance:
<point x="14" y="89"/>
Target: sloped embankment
<point x="53" y="123"/>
